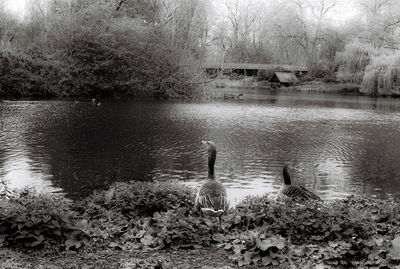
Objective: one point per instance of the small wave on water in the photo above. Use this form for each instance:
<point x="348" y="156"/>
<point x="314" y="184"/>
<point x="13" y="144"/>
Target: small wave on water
<point x="73" y="148"/>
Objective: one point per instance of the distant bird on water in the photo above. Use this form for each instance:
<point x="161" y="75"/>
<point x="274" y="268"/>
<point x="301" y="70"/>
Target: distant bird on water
<point x="288" y="190"/>
<point x="95" y="102"/>
<point x="211" y="198"/>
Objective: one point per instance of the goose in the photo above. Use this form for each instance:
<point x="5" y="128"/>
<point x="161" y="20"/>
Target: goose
<point x="211" y="199"/>
<point x="95" y="102"/>
<point x="288" y="190"/>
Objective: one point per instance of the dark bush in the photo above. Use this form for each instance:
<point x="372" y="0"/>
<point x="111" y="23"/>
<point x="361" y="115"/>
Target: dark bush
<point x="340" y="233"/>
<point x="32" y="74"/>
<point x="142" y="198"/>
<point x="29" y="220"/>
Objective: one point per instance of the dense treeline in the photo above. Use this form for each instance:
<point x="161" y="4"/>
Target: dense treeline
<point x="96" y="48"/>
<point x="120" y="47"/>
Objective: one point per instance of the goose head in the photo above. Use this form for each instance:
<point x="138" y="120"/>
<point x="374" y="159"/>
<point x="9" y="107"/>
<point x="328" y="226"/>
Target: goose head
<point x="288" y="170"/>
<point x="212" y="154"/>
<point x="210" y="146"/>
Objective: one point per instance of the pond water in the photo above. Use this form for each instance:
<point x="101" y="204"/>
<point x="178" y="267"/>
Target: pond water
<point x="74" y="147"/>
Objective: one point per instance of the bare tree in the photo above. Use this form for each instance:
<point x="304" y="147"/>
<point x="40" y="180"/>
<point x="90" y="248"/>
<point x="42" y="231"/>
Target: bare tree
<point x="382" y="21"/>
<point x="308" y="28"/>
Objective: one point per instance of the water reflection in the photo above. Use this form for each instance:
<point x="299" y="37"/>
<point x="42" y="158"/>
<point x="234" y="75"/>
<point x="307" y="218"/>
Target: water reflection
<point x="75" y="147"/>
<point x="18" y="168"/>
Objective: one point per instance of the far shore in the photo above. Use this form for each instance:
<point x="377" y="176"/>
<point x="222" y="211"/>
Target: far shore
<point x="252" y="89"/>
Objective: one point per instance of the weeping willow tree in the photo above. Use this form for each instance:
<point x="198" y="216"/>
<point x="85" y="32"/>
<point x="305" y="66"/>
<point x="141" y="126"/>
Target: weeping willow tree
<point x="353" y="61"/>
<point x="382" y="76"/>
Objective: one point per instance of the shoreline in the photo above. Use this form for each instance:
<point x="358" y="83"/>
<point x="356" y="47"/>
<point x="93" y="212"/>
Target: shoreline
<point x="118" y="229"/>
<point x="225" y="84"/>
<point x="217" y="88"/>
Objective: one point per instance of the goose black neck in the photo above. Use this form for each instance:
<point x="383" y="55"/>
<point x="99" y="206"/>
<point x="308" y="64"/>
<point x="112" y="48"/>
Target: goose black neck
<point x="286" y="175"/>
<point x="211" y="161"/>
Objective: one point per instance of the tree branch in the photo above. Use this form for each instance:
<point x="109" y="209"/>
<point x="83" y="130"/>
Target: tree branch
<point x="120" y="4"/>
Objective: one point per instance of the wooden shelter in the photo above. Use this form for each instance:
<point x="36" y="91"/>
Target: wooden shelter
<point x="250" y="69"/>
<point x="284" y="78"/>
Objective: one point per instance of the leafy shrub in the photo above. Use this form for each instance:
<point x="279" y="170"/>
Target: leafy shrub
<point x="31" y="220"/>
<point x="341" y="233"/>
<point x="181" y="228"/>
<point x="178" y="228"/>
<point x="141" y="198"/>
<point x="321" y="71"/>
<point x="116" y="55"/>
<point x="146" y="215"/>
<point x="311" y="222"/>
<point x="350" y="89"/>
<point x="5" y="191"/>
<point x="129" y="208"/>
<point x="151" y="215"/>
<point x="32" y="74"/>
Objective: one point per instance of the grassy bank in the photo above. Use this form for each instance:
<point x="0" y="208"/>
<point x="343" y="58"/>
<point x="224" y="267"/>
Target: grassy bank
<point x="251" y="87"/>
<point x="321" y="87"/>
<point x="153" y="224"/>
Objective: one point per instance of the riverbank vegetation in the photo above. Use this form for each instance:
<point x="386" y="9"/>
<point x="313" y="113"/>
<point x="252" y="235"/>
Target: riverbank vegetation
<point x="147" y="224"/>
<point x="131" y="47"/>
<point x="97" y="48"/>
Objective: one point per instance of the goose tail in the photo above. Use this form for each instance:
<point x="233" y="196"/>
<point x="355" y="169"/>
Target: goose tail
<point x="310" y="195"/>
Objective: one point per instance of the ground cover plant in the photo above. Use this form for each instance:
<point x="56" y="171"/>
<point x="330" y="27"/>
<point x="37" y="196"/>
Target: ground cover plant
<point x="151" y="217"/>
<point x="30" y="220"/>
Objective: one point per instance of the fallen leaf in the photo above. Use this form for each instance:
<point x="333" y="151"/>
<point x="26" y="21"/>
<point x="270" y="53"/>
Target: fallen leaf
<point x="147" y="240"/>
<point x="394" y="252"/>
<point x="109" y="195"/>
<point x="275" y="241"/>
<point x="218" y="237"/>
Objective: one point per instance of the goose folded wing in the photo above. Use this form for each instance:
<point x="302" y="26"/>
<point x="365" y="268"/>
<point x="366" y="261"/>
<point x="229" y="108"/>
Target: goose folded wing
<point x="310" y="194"/>
<point x="297" y="192"/>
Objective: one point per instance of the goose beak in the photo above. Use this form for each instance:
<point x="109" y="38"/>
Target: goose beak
<point x="297" y="169"/>
<point x="205" y="145"/>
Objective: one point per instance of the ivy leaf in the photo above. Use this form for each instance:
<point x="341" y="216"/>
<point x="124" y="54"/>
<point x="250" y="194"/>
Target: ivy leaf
<point x="39" y="240"/>
<point x="140" y="234"/>
<point x="237" y="219"/>
<point x="83" y="225"/>
<point x="218" y="237"/>
<point x="247" y="256"/>
<point x="379" y="241"/>
<point x="394" y="253"/>
<point x="147" y="240"/>
<point x="274" y="241"/>
<point x="266" y="260"/>
<point x="116" y="245"/>
<point x="228" y="246"/>
<point x="109" y="195"/>
<point x="72" y="243"/>
<point x="76" y="239"/>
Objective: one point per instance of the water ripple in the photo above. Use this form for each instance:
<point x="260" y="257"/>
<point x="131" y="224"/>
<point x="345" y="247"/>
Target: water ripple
<point x="75" y="148"/>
